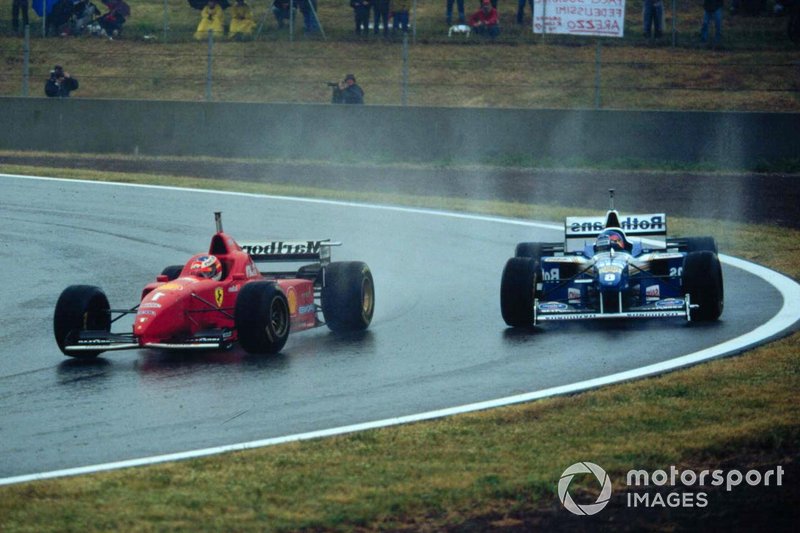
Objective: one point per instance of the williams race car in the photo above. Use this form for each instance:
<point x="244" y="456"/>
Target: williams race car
<point x="220" y="297"/>
<point x="610" y="268"/>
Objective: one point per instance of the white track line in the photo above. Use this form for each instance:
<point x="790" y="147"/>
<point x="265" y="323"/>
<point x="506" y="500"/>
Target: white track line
<point x="784" y="319"/>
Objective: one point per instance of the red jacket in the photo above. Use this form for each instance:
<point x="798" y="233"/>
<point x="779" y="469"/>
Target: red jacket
<point x="488" y="19"/>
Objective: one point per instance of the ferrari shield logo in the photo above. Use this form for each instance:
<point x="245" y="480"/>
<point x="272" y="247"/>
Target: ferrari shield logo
<point x="219" y="294"/>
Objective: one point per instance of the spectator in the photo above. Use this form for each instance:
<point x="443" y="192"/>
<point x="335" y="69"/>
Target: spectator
<point x="449" y="14"/>
<point x="400" y="15"/>
<point x="59" y="17"/>
<point x="653" y="14"/>
<point x="361" y="15"/>
<point x="83" y="13"/>
<point x="60" y="83"/>
<point x="280" y="8"/>
<point x="211" y="19"/>
<point x="712" y="10"/>
<point x="348" y="91"/>
<point x="381" y="8"/>
<point x="111" y="22"/>
<point x="309" y="10"/>
<point x="242" y="21"/>
<point x="485" y="20"/>
<point x="521" y="10"/>
<point x="19" y="7"/>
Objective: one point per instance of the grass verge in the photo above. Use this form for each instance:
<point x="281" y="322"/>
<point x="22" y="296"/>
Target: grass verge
<point x="490" y="470"/>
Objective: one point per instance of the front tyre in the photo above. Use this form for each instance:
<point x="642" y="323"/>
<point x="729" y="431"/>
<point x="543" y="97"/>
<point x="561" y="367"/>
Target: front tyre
<point x="262" y="318"/>
<point x="348" y="296"/>
<point x="80" y="308"/>
<point x="702" y="280"/>
<point x="517" y="291"/>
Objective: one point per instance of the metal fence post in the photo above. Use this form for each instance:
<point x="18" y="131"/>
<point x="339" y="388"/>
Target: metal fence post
<point x="210" y="61"/>
<point x="405" y="70"/>
<point x="26" y="61"/>
<point x="674" y="23"/>
<point x="597" y="76"/>
<point x="166" y="20"/>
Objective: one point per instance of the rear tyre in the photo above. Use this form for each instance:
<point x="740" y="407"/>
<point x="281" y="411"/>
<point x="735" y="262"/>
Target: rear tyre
<point x="702" y="280"/>
<point x="80" y="308"/>
<point x="172" y="272"/>
<point x="348" y="296"/>
<point x="517" y="291"/>
<point x="262" y="318"/>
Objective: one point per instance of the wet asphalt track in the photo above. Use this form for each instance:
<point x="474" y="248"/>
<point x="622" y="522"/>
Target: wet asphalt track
<point x="437" y="339"/>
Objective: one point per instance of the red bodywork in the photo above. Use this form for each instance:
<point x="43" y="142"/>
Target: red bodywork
<point x="184" y="308"/>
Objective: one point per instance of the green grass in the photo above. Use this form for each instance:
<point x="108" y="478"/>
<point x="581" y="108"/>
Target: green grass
<point x="755" y="71"/>
<point x="495" y="468"/>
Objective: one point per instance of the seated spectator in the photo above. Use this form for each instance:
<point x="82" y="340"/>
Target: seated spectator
<point x="485" y="20"/>
<point x="83" y="13"/>
<point x="280" y="8"/>
<point x="242" y="21"/>
<point x="211" y="19"/>
<point x="111" y="22"/>
<point x="60" y="83"/>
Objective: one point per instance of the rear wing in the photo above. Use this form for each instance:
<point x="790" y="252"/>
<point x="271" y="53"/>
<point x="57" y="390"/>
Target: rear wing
<point x="318" y="251"/>
<point x="580" y="231"/>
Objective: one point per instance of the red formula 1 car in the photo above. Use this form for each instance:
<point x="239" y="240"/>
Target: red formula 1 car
<point x="220" y="297"/>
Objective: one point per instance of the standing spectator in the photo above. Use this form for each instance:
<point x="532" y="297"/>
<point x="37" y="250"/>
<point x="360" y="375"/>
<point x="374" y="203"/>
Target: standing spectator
<point x="381" y="8"/>
<point x="348" y="91"/>
<point x="309" y="10"/>
<point x="361" y="15"/>
<point x="112" y="21"/>
<point x="242" y="21"/>
<point x="521" y="10"/>
<point x="449" y="13"/>
<point x="485" y="20"/>
<point x="211" y="19"/>
<point x="400" y="15"/>
<point x="280" y="8"/>
<point x="712" y="10"/>
<point x="19" y="7"/>
<point x="653" y="14"/>
<point x="60" y="83"/>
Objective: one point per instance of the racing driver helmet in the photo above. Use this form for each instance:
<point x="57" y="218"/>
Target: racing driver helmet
<point x="207" y="266"/>
<point x="610" y="240"/>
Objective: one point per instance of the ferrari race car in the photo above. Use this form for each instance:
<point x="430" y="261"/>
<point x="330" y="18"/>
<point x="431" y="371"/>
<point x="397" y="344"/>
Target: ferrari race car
<point x="220" y="297"/>
<point x="613" y="268"/>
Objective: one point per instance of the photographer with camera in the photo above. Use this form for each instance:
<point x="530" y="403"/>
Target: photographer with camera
<point x="347" y="91"/>
<point x="60" y="83"/>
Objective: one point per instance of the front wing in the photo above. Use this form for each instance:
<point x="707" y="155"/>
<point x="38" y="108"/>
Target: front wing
<point x="670" y="307"/>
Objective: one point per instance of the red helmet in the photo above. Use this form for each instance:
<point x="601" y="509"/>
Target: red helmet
<point x="207" y="266"/>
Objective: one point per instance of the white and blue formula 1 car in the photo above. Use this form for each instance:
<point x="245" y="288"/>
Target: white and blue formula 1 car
<point x="613" y="268"/>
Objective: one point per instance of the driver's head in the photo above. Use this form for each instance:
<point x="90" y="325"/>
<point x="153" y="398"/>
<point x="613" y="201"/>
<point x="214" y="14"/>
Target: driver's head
<point x="609" y="240"/>
<point x="207" y="266"/>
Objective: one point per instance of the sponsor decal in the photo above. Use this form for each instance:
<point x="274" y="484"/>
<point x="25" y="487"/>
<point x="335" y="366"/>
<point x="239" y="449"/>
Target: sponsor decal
<point x="652" y="292"/>
<point x="610" y="269"/>
<point x="233" y="288"/>
<point x="219" y="296"/>
<point x="565" y="259"/>
<point x="551" y="274"/>
<point x="150" y="305"/>
<point x="634" y="224"/>
<point x="670" y="302"/>
<point x="573" y="295"/>
<point x="553" y="306"/>
<point x="171" y="287"/>
<point x="305" y="309"/>
<point x="146" y="312"/>
<point x="250" y="271"/>
<point x="291" y="296"/>
<point x="283" y="248"/>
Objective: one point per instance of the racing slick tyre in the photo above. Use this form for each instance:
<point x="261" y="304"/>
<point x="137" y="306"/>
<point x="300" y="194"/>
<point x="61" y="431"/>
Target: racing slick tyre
<point x="702" y="280"/>
<point x="517" y="291"/>
<point x="80" y="308"/>
<point x="262" y="317"/>
<point x="701" y="244"/>
<point x="348" y="296"/>
<point x="172" y="272"/>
